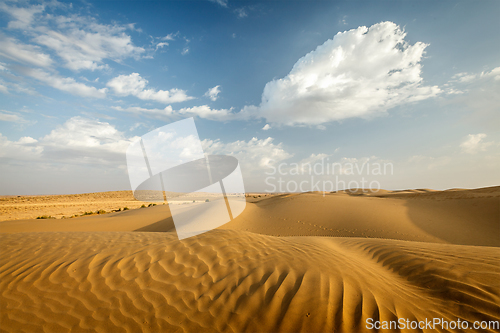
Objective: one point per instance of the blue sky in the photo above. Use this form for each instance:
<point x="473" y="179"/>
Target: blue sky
<point x="414" y="83"/>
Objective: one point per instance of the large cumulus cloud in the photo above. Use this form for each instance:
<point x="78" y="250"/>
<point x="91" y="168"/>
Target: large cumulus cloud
<point x="359" y="73"/>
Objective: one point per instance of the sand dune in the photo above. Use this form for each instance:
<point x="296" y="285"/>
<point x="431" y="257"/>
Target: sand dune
<point x="238" y="281"/>
<point x="97" y="274"/>
<point x="470" y="217"/>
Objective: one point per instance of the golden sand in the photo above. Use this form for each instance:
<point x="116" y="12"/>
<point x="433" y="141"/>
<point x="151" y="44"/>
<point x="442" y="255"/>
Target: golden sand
<point x="289" y="263"/>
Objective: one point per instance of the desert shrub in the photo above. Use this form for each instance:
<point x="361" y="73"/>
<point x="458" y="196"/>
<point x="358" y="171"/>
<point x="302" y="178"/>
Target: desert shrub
<point x="207" y="200"/>
<point x="100" y="211"/>
<point x="143" y="206"/>
<point x="151" y="204"/>
<point x="43" y="217"/>
<point x="125" y="208"/>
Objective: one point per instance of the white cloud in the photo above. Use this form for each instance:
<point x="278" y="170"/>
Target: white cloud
<point x="81" y="140"/>
<point x="165" y="113"/>
<point x="202" y="111"/>
<point x="241" y="12"/>
<point x="11" y="117"/>
<point x="480" y="93"/>
<point x="474" y="143"/>
<point x="170" y="36"/>
<point x="9" y="87"/>
<point x="23" y="149"/>
<point x="160" y="45"/>
<point x="135" y="85"/>
<point x="185" y="50"/>
<point x="359" y="73"/>
<point x="266" y="127"/>
<point x="253" y="155"/>
<point x="66" y="84"/>
<point x="465" y="77"/>
<point x="19" y="52"/>
<point x="136" y="126"/>
<point x="79" y="41"/>
<point x="213" y="93"/>
<point x="86" y="47"/>
<point x="23" y="16"/>
<point x="223" y="3"/>
<point x="87" y="133"/>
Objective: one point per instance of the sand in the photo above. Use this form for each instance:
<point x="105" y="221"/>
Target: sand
<point x="308" y="262"/>
<point x="67" y="206"/>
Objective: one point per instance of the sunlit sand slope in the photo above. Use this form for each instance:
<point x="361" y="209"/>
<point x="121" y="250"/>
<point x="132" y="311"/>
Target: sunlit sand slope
<point x="234" y="281"/>
<point x="466" y="217"/>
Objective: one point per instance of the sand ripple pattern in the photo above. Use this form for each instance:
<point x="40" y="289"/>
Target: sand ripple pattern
<point x="236" y="281"/>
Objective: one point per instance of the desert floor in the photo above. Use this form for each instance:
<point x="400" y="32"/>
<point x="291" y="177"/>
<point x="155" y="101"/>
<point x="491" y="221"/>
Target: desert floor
<point x="309" y="262"/>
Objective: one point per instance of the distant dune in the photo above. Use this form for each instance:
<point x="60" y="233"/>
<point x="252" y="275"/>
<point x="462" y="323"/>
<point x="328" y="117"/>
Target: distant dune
<point x="309" y="262"/>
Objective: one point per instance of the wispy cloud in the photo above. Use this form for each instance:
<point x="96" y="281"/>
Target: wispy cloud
<point x="12" y="117"/>
<point x="213" y="93"/>
<point x="241" y="12"/>
<point x="254" y="155"/>
<point x="23" y="16"/>
<point x="80" y="42"/>
<point x="81" y="140"/>
<point x="168" y="113"/>
<point x="135" y="85"/>
<point x="14" y="50"/>
<point x="66" y="84"/>
<point x="480" y="93"/>
<point x="474" y="143"/>
<point x="222" y="3"/>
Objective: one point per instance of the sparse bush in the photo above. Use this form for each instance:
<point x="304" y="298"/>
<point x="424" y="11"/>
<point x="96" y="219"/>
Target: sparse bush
<point x="207" y="200"/>
<point x="44" y="217"/>
<point x="87" y="213"/>
<point x="143" y="206"/>
<point x="151" y="205"/>
<point x="125" y="208"/>
<point x="100" y="211"/>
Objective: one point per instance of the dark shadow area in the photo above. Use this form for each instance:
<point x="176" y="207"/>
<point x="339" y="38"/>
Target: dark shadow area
<point x="164" y="225"/>
<point x="468" y="217"/>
